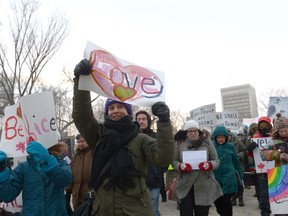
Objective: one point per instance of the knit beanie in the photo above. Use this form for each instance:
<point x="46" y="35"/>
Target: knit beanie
<point x="280" y="121"/>
<point x="190" y="124"/>
<point x="109" y="102"/>
<point x="265" y="120"/>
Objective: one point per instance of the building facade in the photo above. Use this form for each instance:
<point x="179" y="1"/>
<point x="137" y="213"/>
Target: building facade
<point x="240" y="98"/>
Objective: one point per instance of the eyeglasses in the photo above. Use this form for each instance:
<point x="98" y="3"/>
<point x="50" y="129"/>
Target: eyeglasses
<point x="192" y="131"/>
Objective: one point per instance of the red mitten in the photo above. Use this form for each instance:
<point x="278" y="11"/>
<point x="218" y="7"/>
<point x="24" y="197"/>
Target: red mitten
<point x="205" y="166"/>
<point x="185" y="167"/>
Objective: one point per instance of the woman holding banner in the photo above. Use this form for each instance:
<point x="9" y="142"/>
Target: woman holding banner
<point x="120" y="153"/>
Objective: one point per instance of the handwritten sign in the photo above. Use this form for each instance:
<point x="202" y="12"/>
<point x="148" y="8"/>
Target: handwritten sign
<point x="120" y="80"/>
<point x="33" y="118"/>
<point x="229" y="119"/>
<point x="278" y="190"/>
<point x="205" y="115"/>
<point x="260" y="165"/>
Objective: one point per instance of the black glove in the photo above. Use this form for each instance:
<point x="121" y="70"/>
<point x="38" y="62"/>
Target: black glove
<point x="82" y="68"/>
<point x="250" y="147"/>
<point x="161" y="110"/>
<point x="68" y="206"/>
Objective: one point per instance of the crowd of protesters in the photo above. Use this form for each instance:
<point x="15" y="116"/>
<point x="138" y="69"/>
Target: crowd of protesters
<point x="123" y="161"/>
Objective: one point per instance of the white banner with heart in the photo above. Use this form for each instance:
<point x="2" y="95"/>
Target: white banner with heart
<point x="120" y="80"/>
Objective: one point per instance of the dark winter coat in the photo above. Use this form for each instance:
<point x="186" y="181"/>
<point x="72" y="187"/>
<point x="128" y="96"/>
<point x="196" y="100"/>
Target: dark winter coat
<point x="142" y="148"/>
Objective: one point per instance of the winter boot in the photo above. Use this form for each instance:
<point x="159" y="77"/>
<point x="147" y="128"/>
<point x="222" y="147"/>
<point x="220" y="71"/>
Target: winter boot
<point x="241" y="201"/>
<point x="234" y="200"/>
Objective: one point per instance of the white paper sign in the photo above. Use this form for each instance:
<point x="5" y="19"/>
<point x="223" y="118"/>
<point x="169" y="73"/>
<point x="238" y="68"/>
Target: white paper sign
<point x="260" y="165"/>
<point x="120" y="80"/>
<point x="194" y="157"/>
<point x="33" y="118"/>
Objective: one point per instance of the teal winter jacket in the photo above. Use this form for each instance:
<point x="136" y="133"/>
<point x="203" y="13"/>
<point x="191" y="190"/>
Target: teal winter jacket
<point x="229" y="163"/>
<point x="42" y="193"/>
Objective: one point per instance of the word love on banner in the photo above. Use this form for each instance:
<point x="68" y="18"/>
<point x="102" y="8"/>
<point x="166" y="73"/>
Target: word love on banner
<point x="33" y="118"/>
<point x="120" y="80"/>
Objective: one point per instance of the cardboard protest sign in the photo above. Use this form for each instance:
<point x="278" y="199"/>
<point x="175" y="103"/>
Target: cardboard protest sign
<point x="120" y="80"/>
<point x="278" y="190"/>
<point x="205" y="116"/>
<point x="33" y="118"/>
<point x="260" y="165"/>
<point x="229" y="119"/>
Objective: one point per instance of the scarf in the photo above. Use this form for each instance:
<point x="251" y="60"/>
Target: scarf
<point x="111" y="158"/>
<point x="194" y="143"/>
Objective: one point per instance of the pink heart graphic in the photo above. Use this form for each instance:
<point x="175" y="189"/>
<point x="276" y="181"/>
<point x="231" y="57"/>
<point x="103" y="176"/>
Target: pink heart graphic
<point x="123" y="82"/>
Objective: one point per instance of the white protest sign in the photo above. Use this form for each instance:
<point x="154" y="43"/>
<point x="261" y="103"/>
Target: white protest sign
<point x="194" y="157"/>
<point x="260" y="165"/>
<point x="33" y="118"/>
<point x="205" y="116"/>
<point x="120" y="80"/>
<point x="229" y="119"/>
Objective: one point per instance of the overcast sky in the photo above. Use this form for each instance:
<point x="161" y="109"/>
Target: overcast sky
<point x="201" y="46"/>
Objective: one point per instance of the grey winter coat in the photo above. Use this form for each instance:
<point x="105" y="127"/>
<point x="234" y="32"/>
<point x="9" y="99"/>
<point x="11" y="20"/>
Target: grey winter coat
<point x="206" y="188"/>
<point x="143" y="149"/>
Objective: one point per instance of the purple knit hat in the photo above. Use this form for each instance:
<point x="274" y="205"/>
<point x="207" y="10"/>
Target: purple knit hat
<point x="109" y="102"/>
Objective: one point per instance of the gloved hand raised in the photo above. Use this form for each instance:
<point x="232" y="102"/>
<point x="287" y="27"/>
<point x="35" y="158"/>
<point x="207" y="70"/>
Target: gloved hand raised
<point x="205" y="166"/>
<point x="162" y="111"/>
<point x="185" y="167"/>
<point x="38" y="152"/>
<point x="82" y="68"/>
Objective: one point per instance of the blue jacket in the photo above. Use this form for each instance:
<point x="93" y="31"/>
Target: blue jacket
<point x="42" y="193"/>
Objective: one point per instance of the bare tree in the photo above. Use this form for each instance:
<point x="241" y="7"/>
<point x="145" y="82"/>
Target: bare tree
<point x="177" y="120"/>
<point x="3" y="101"/>
<point x="33" y="45"/>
